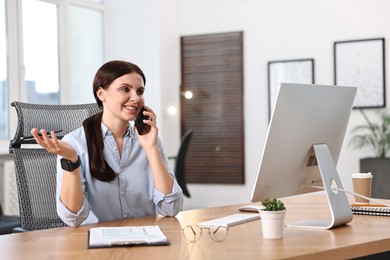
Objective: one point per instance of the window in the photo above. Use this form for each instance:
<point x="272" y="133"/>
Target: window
<point x="40" y="52"/>
<point x="3" y="74"/>
<point x="49" y="53"/>
<point x="86" y="51"/>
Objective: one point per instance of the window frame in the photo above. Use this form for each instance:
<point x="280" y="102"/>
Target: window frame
<point x="15" y="67"/>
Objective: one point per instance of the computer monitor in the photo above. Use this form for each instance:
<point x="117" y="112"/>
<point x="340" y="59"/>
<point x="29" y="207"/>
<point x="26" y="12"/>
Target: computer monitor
<point x="302" y="147"/>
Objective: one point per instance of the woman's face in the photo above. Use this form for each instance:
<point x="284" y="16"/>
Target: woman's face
<point x="124" y="98"/>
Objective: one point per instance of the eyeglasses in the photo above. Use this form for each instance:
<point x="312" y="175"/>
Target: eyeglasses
<point x="193" y="232"/>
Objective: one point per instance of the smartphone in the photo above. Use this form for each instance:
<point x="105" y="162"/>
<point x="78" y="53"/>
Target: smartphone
<point x="142" y="128"/>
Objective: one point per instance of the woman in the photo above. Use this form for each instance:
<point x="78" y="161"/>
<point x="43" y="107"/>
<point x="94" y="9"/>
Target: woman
<point x="106" y="170"/>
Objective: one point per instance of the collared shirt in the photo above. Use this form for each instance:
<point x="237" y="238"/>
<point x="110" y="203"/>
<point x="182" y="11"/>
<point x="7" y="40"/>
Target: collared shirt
<point x="131" y="194"/>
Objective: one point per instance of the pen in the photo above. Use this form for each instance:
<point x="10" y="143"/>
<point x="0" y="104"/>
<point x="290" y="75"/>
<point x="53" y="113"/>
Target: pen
<point x="32" y="137"/>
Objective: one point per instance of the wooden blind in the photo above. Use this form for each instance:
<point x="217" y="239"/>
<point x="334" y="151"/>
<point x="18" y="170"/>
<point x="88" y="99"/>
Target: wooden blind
<point x="212" y="68"/>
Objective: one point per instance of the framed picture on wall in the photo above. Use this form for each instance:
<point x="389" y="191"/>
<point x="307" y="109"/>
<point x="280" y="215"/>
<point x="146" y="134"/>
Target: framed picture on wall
<point x="288" y="71"/>
<point x="361" y="63"/>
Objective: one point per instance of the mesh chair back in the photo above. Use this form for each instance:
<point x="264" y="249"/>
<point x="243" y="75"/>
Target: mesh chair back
<point x="180" y="162"/>
<point x="36" y="182"/>
<point x="49" y="117"/>
<point x="35" y="167"/>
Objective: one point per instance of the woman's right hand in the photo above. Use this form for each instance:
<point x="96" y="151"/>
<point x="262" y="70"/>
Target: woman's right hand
<point x="54" y="145"/>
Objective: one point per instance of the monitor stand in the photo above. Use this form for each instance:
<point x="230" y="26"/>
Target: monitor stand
<point x="340" y="209"/>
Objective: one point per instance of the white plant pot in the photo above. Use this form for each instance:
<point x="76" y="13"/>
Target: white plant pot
<point x="272" y="223"/>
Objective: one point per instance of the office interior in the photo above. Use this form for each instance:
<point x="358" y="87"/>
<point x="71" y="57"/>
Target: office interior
<point x="148" y="34"/>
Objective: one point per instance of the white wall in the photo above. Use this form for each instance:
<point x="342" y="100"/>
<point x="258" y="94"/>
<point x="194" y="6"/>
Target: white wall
<point x="145" y="33"/>
<point x="148" y="33"/>
<point x="132" y="34"/>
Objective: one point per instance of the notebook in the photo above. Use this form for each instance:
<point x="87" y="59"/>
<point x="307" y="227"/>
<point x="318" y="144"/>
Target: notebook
<point x="230" y="220"/>
<point x="370" y="210"/>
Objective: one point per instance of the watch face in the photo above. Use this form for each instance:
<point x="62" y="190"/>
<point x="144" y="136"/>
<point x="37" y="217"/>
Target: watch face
<point x="67" y="165"/>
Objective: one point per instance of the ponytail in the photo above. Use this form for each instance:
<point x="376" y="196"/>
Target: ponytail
<point x="99" y="168"/>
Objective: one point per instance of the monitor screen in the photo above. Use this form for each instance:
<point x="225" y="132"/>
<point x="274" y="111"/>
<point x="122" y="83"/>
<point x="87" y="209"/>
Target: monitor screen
<point x="303" y="115"/>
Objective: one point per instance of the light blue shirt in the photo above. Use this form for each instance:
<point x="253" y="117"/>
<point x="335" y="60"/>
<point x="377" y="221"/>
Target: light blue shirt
<point x="131" y="194"/>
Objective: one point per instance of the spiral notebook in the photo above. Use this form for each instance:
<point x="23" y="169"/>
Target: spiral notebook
<point x="368" y="209"/>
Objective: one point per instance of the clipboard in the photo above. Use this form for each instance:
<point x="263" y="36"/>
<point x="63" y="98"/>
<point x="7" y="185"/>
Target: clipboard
<point x="105" y="237"/>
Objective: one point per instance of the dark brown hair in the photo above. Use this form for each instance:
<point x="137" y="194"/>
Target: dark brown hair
<point x="105" y="75"/>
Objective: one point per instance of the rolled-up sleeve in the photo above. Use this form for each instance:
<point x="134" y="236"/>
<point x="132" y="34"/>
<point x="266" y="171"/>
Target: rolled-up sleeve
<point x="70" y="218"/>
<point x="169" y="204"/>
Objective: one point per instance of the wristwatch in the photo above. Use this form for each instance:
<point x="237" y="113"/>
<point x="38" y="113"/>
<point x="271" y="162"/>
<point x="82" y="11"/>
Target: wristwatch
<point x="68" y="165"/>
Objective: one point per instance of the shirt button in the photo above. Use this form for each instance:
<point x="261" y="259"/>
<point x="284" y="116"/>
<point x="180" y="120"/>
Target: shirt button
<point x="122" y="193"/>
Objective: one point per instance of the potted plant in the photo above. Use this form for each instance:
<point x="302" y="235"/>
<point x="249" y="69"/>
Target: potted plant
<point x="375" y="135"/>
<point x="272" y="218"/>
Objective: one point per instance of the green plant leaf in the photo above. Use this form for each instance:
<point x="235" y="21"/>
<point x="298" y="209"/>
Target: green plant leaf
<point x="273" y="204"/>
<point x="375" y="135"/>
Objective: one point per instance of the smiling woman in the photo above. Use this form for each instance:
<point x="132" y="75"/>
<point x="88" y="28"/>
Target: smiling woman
<point x="107" y="169"/>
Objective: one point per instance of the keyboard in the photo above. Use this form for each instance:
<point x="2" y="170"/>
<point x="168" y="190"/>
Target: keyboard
<point x="230" y="220"/>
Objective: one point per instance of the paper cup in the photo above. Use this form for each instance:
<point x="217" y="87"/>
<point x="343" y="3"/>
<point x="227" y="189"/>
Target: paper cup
<point x="362" y="185"/>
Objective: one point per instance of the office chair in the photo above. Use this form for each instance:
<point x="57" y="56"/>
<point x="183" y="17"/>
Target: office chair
<point x="35" y="167"/>
<point x="180" y="162"/>
<point x="8" y="223"/>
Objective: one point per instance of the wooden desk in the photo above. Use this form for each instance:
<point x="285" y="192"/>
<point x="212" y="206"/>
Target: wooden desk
<point x="365" y="235"/>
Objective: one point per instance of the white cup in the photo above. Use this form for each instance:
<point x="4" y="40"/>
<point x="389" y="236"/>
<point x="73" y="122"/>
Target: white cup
<point x="362" y="185"/>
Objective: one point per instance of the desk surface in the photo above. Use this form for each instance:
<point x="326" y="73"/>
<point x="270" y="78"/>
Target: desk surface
<point x="365" y="235"/>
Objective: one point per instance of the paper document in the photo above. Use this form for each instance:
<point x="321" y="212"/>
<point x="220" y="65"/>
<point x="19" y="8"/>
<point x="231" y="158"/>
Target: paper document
<point x="126" y="236"/>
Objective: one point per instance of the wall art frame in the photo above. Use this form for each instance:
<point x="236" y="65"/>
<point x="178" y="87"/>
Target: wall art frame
<point x="288" y="71"/>
<point x="361" y="63"/>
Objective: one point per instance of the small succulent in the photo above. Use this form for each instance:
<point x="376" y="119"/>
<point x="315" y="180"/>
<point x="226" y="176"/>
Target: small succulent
<point x="273" y="204"/>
